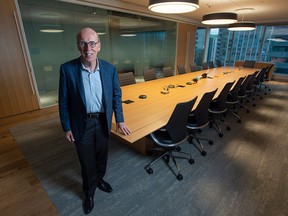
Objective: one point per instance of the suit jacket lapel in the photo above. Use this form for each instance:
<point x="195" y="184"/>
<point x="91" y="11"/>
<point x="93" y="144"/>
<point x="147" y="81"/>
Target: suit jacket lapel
<point x="104" y="79"/>
<point x="79" y="81"/>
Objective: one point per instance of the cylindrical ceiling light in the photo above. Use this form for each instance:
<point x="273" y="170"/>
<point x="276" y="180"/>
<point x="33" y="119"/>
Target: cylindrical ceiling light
<point x="223" y="18"/>
<point x="242" y="26"/>
<point x="173" y="6"/>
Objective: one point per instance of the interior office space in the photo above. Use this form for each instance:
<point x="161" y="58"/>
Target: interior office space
<point x="27" y="55"/>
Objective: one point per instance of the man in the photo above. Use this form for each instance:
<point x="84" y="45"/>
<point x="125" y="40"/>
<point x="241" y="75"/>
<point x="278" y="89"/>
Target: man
<point x="89" y="93"/>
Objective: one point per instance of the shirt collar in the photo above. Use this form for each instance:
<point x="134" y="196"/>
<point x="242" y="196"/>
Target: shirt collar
<point x="93" y="71"/>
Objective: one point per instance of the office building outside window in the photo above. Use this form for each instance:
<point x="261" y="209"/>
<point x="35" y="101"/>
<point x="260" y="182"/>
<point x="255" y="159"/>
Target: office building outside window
<point x="265" y="44"/>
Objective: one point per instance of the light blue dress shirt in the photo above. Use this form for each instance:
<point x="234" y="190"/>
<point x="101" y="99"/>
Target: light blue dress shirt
<point x="93" y="89"/>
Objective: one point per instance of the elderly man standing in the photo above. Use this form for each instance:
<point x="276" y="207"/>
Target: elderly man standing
<point x="89" y="93"/>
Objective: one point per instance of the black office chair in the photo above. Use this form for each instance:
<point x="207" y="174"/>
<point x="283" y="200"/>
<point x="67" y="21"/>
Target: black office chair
<point x="242" y="94"/>
<point x="211" y="64"/>
<point x="194" y="68"/>
<point x="199" y="119"/>
<point x="181" y="69"/>
<point x="171" y="136"/>
<point x="149" y="74"/>
<point x="205" y="66"/>
<point x="126" y="78"/>
<point x="265" y="78"/>
<point x="250" y="89"/>
<point x="218" y="63"/>
<point x="167" y="71"/>
<point x="257" y="82"/>
<point x="218" y="107"/>
<point x="232" y="100"/>
<point x="249" y="64"/>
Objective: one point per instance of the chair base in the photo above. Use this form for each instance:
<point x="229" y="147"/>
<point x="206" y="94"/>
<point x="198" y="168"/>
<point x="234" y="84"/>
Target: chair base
<point x="196" y="136"/>
<point x="216" y="125"/>
<point x="232" y="107"/>
<point x="166" y="155"/>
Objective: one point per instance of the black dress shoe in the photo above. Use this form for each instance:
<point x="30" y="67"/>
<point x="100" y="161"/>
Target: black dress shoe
<point x="88" y="204"/>
<point x="104" y="186"/>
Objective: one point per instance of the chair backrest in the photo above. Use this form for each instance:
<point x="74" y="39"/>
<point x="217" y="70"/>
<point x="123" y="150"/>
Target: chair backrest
<point x="250" y="85"/>
<point x="126" y="78"/>
<point x="233" y="94"/>
<point x="200" y="113"/>
<point x="194" y="68"/>
<point x="218" y="63"/>
<point x="211" y="64"/>
<point x="167" y="71"/>
<point x="260" y="76"/>
<point x="249" y="64"/>
<point x="243" y="86"/>
<point x="177" y="123"/>
<point x="181" y="69"/>
<point x="205" y="66"/>
<point x="220" y="101"/>
<point x="149" y="74"/>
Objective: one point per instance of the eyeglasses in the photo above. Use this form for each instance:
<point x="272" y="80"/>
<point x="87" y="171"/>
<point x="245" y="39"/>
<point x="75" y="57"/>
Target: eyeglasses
<point x="92" y="44"/>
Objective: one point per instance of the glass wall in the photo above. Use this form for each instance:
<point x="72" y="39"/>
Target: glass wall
<point x="199" y="46"/>
<point x="275" y="48"/>
<point x="264" y="44"/>
<point x="130" y="42"/>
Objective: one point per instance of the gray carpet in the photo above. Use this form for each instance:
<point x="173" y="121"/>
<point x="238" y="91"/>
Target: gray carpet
<point x="243" y="173"/>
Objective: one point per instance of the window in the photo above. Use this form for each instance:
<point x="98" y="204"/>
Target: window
<point x="264" y="44"/>
<point x="199" y="47"/>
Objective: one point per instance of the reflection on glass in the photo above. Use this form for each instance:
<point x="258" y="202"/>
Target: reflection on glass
<point x="153" y="44"/>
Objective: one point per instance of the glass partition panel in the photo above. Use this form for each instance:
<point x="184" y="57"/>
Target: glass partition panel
<point x="199" y="46"/>
<point x="275" y="48"/>
<point x="130" y="42"/>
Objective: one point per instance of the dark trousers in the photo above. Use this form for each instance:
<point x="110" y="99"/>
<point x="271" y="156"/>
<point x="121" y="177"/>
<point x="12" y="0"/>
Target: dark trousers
<point x="92" y="152"/>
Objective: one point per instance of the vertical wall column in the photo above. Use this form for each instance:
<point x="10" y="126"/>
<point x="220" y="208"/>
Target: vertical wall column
<point x="186" y="38"/>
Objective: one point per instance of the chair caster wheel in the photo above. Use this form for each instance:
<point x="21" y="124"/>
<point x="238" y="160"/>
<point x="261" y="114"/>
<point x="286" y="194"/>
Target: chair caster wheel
<point x="210" y="142"/>
<point x="220" y="134"/>
<point x="149" y="170"/>
<point x="203" y="153"/>
<point x="178" y="148"/>
<point x="228" y="128"/>
<point x="179" y="177"/>
<point x="248" y="111"/>
<point x="254" y="105"/>
<point x="191" y="161"/>
<point x="239" y="121"/>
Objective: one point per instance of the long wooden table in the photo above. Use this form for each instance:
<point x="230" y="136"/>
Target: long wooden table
<point x="144" y="116"/>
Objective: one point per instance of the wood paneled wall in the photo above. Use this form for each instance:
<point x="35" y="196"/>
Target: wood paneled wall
<point x="17" y="90"/>
<point x="185" y="45"/>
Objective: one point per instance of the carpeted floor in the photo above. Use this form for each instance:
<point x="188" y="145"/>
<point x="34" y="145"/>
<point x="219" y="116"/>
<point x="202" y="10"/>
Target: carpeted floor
<point x="244" y="173"/>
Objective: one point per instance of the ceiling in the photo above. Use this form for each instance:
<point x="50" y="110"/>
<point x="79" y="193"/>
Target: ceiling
<point x="265" y="11"/>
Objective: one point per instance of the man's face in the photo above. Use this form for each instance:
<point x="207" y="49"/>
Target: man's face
<point x="89" y="46"/>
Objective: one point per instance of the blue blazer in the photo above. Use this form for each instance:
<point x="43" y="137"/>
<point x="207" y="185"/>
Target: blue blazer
<point x="72" y="102"/>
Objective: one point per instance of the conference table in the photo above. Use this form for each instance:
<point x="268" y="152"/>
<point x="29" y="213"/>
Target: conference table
<point x="143" y="116"/>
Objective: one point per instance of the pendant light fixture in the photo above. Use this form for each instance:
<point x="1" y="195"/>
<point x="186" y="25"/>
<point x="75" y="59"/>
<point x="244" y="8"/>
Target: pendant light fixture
<point x="173" y="6"/>
<point x="242" y="26"/>
<point x="223" y="18"/>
